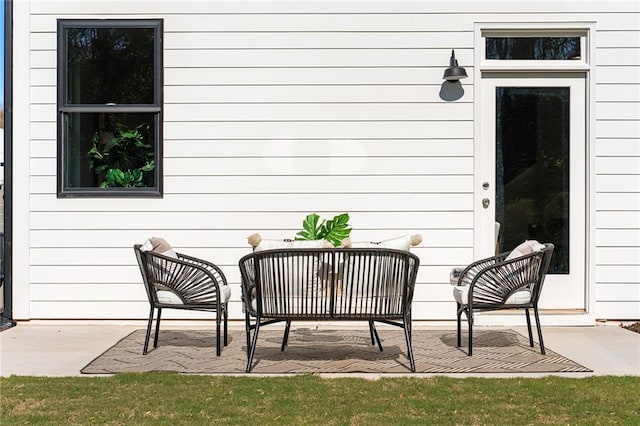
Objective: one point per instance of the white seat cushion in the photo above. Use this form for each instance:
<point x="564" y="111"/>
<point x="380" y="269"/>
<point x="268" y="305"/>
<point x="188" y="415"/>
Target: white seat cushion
<point x="400" y="243"/>
<point x="225" y="293"/>
<point x="519" y="298"/>
<point x="168" y="297"/>
<point x="461" y="295"/>
<point x="525" y="248"/>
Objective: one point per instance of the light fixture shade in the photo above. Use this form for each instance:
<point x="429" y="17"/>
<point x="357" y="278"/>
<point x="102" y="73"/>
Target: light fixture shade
<point x="454" y="72"/>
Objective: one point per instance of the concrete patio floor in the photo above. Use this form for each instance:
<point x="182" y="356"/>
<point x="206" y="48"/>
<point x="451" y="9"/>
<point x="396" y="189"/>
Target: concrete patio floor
<point x="49" y="348"/>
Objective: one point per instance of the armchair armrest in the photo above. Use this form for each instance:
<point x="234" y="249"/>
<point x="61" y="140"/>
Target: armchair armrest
<point x="493" y="283"/>
<point x="248" y="285"/>
<point x="209" y="266"/>
<point x="195" y="281"/>
<point x="463" y="275"/>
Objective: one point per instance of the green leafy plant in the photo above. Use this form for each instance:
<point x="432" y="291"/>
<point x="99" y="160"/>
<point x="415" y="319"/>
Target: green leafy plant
<point x="334" y="230"/>
<point x="125" y="160"/>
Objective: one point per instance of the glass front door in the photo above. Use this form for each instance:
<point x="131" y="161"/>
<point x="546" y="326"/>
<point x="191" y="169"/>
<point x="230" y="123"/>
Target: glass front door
<point x="533" y="167"/>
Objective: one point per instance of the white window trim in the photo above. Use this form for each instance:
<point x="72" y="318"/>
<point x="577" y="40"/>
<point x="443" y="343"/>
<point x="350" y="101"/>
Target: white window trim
<point x="534" y="29"/>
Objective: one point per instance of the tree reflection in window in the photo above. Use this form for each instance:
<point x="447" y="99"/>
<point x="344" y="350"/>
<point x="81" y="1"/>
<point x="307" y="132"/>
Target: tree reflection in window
<point x="110" y="65"/>
<point x="533" y="48"/>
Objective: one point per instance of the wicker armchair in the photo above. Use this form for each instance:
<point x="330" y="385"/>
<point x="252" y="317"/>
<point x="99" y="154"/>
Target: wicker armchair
<point x="184" y="282"/>
<point x="501" y="282"/>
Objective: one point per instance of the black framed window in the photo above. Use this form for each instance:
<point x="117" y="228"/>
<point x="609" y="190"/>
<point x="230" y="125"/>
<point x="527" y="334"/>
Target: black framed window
<point x="110" y="108"/>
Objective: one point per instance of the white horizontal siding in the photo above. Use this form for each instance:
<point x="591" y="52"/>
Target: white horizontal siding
<point x="303" y="130"/>
<point x="311" y="147"/>
<point x="618" y="235"/>
<point x="137" y="7"/>
<point x="274" y="202"/>
<point x="614" y="183"/>
<point x="291" y="166"/>
<point x="304" y="58"/>
<point x="317" y="112"/>
<point x="393" y="74"/>
<point x="307" y="40"/>
<point x="277" y="109"/>
<point x="621" y="309"/>
<point x="618" y="147"/>
<point x="290" y="185"/>
<point x="619" y="201"/>
<point x="319" y="166"/>
<point x="617" y="220"/>
<point x="617" y="175"/>
<point x="307" y="86"/>
<point x="621" y="89"/>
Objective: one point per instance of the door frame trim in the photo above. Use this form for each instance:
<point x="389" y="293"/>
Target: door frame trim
<point x="588" y="69"/>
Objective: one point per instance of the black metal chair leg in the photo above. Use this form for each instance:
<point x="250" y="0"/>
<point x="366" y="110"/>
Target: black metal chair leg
<point x="535" y="312"/>
<point x="155" y="339"/>
<point x="374" y="334"/>
<point x="526" y="312"/>
<point x="218" y="349"/>
<point x="253" y="345"/>
<point x="459" y="325"/>
<point x="226" y="327"/>
<point x="285" y="338"/>
<point x="407" y="336"/>
<point x="146" y="339"/>
<point x="247" y="329"/>
<point x="470" y="320"/>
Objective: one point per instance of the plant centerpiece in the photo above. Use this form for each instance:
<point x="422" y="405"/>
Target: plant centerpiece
<point x="125" y="160"/>
<point x="334" y="230"/>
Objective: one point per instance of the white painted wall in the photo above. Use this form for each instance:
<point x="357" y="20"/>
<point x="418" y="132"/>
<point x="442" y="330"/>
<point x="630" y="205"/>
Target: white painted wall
<point x="277" y="109"/>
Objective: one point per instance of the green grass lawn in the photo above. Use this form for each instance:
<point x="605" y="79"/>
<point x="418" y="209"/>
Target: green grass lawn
<point x="140" y="399"/>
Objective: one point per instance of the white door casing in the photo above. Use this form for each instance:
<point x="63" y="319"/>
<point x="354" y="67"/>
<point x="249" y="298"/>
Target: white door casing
<point x="562" y="290"/>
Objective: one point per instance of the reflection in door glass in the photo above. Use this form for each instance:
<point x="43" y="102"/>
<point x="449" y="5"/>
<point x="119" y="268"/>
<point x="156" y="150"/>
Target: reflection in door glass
<point x="532" y="168"/>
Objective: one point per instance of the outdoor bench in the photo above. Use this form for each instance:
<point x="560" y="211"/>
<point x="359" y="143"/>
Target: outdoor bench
<point x="328" y="284"/>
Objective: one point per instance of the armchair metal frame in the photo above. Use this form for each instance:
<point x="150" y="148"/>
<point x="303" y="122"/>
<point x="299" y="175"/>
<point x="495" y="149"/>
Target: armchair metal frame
<point x="195" y="281"/>
<point x="493" y="280"/>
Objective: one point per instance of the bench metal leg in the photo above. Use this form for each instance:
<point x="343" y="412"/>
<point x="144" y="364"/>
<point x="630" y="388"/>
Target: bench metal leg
<point x="374" y="335"/>
<point x="407" y="336"/>
<point x="252" y="348"/>
<point x="247" y="329"/>
<point x="285" y="338"/>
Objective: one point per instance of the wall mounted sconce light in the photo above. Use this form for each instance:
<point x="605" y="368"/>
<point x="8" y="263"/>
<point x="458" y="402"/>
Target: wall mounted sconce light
<point x="454" y="72"/>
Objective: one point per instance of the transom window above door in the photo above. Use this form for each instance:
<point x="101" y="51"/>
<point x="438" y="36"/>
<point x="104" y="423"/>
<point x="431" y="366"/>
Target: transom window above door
<point x="531" y="48"/>
<point x="536" y="48"/>
<point x="109" y="108"/>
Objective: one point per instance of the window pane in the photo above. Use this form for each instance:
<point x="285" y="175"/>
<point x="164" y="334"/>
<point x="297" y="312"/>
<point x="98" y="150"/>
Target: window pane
<point x="532" y="168"/>
<point x="100" y="142"/>
<point x="540" y="48"/>
<point x="110" y="65"/>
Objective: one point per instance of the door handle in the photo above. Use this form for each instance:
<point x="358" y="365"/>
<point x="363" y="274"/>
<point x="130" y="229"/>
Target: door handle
<point x="485" y="203"/>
